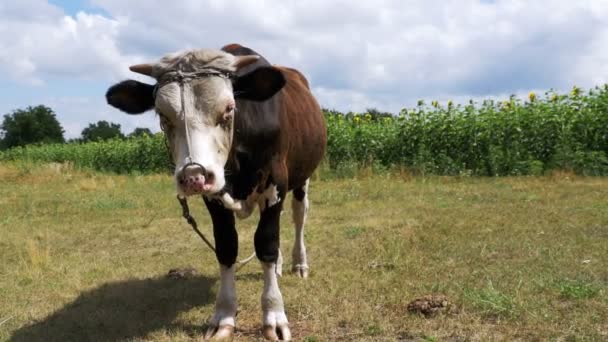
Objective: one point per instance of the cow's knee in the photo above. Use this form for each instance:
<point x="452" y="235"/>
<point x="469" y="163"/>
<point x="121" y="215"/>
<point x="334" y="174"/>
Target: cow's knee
<point x="266" y="238"/>
<point x="226" y="248"/>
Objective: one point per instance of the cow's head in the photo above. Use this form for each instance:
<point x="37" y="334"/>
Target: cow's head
<point x="195" y="99"/>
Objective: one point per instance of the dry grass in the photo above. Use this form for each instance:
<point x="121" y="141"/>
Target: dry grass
<point x="84" y="255"/>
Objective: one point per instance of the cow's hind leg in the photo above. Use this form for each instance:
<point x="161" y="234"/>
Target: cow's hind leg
<point x="266" y="240"/>
<point x="222" y="323"/>
<point x="299" y="205"/>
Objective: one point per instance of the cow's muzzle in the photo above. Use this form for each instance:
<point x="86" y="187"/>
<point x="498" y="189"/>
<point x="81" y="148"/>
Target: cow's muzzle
<point x="195" y="179"/>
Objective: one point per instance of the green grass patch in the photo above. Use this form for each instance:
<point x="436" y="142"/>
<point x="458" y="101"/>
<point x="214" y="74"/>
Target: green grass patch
<point x="577" y="289"/>
<point x="353" y="232"/>
<point x="491" y="302"/>
<point x="311" y="339"/>
<point x="373" y="330"/>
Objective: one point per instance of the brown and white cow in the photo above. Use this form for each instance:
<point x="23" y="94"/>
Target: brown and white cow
<point x="242" y="133"/>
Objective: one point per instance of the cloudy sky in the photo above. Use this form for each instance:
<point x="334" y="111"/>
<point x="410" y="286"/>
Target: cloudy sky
<point x="356" y="54"/>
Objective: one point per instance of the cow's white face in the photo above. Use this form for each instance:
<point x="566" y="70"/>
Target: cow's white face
<point x="199" y="128"/>
<point x="197" y="111"/>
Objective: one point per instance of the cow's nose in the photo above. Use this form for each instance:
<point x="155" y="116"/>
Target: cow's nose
<point x="196" y="179"/>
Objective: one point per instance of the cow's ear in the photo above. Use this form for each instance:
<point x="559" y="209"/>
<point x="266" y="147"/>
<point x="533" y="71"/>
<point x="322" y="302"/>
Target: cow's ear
<point x="260" y="84"/>
<point x="131" y="96"/>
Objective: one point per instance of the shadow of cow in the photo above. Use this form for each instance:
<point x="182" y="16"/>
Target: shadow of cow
<point x="123" y="310"/>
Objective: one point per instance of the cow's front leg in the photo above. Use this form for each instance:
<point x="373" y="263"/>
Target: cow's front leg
<point x="274" y="320"/>
<point x="222" y="323"/>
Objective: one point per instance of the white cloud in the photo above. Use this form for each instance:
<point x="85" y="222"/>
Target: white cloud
<point x="385" y="54"/>
<point x="39" y="42"/>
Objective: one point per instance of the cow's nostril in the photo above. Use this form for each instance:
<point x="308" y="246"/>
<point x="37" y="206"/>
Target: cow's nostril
<point x="210" y="177"/>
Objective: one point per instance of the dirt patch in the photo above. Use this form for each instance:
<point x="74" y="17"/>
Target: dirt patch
<point x="431" y="305"/>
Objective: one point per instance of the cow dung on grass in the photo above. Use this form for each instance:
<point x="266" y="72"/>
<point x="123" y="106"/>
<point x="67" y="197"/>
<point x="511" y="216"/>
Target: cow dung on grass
<point x="430" y="305"/>
<point x="182" y="273"/>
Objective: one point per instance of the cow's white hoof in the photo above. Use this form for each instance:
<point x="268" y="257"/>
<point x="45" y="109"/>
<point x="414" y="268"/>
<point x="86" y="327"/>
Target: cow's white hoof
<point x="277" y="333"/>
<point x="276" y="326"/>
<point x="220" y="333"/>
<point x="221" y="326"/>
<point x="300" y="270"/>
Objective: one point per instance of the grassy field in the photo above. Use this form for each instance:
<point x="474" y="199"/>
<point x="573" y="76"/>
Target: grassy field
<point x="84" y="256"/>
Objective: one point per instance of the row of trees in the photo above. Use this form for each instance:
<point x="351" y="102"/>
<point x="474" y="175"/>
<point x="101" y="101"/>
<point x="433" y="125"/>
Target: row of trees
<point x="39" y="124"/>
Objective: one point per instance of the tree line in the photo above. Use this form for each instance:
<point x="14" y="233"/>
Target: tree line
<point x="39" y="125"/>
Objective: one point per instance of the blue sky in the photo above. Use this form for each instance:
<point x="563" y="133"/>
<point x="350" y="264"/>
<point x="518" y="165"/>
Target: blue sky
<point x="382" y="54"/>
<point x="71" y="7"/>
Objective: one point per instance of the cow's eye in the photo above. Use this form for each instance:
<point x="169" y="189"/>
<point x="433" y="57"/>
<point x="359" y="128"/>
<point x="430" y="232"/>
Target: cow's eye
<point x="165" y="124"/>
<point x="226" y="120"/>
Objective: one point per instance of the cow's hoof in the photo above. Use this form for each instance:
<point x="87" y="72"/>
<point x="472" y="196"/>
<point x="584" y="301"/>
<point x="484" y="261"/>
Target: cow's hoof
<point x="221" y="333"/>
<point x="277" y="333"/>
<point x="300" y="270"/>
